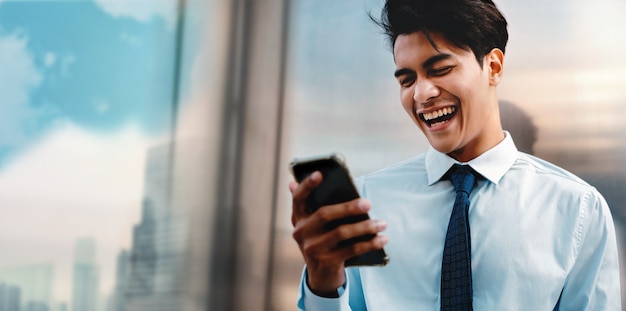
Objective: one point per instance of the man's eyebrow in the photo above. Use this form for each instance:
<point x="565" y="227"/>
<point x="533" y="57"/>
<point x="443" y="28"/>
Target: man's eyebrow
<point x="402" y="71"/>
<point x="427" y="64"/>
<point x="431" y="61"/>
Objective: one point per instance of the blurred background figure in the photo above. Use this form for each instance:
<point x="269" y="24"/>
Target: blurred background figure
<point x="520" y="125"/>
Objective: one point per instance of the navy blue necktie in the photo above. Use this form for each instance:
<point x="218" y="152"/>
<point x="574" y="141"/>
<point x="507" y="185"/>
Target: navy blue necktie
<point x="456" y="267"/>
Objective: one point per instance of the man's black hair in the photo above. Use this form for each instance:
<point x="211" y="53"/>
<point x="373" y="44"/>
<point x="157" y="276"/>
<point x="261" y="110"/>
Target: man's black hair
<point x="477" y="25"/>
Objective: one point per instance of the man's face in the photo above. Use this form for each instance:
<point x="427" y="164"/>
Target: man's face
<point x="449" y="96"/>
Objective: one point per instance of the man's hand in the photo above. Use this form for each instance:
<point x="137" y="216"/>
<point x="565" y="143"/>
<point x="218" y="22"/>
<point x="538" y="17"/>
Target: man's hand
<point x="324" y="259"/>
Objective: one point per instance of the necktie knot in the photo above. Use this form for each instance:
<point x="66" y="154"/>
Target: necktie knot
<point x="462" y="178"/>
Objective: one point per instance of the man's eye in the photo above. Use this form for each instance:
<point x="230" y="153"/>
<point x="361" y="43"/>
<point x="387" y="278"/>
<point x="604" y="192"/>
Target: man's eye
<point x="441" y="71"/>
<point x="406" y="81"/>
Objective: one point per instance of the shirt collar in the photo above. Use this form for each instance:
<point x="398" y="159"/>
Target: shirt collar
<point x="492" y="164"/>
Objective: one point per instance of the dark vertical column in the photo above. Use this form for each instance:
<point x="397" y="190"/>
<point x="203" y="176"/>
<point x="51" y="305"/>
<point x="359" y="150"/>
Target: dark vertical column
<point x="269" y="286"/>
<point x="226" y="225"/>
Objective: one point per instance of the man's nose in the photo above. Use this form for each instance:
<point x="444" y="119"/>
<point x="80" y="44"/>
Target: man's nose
<point x="424" y="91"/>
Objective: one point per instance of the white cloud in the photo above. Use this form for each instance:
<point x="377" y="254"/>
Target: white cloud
<point x="49" y="59"/>
<point x="18" y="77"/>
<point x="66" y="63"/>
<point x="141" y="10"/>
<point x="72" y="184"/>
<point x="101" y="105"/>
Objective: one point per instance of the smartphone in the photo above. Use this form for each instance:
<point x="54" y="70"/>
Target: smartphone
<point x="336" y="187"/>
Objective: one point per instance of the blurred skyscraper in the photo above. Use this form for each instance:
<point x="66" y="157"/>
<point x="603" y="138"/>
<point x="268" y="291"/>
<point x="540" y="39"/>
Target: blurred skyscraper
<point x="9" y="297"/>
<point x="118" y="298"/>
<point x="34" y="283"/>
<point x="152" y="262"/>
<point x="36" y="306"/>
<point x="85" y="277"/>
<point x="143" y="255"/>
<point x="167" y="267"/>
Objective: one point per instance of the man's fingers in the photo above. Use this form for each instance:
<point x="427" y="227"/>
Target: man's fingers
<point x="325" y="247"/>
<point x="359" y="248"/>
<point x="357" y="230"/>
<point x="343" y="235"/>
<point x="307" y="185"/>
<point x="292" y="186"/>
<point x="343" y="210"/>
<point x="322" y="218"/>
<point x="301" y="191"/>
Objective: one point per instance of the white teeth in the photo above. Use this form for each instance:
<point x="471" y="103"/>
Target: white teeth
<point x="438" y="113"/>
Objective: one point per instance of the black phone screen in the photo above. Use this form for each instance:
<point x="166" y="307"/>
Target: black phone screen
<point x="336" y="187"/>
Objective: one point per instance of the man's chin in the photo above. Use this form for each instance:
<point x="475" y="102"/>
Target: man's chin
<point x="441" y="146"/>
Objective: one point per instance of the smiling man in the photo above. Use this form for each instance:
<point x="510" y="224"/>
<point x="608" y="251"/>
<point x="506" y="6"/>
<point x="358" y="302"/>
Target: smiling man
<point x="449" y="95"/>
<point x="473" y="223"/>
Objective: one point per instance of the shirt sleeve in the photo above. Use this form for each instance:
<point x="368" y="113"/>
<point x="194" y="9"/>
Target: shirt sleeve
<point x="594" y="281"/>
<point x="350" y="295"/>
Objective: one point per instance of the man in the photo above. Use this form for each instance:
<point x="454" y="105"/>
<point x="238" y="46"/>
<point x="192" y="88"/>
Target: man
<point x="534" y="236"/>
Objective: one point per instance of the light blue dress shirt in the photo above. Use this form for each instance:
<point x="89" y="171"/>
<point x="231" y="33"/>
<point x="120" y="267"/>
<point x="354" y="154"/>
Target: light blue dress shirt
<point x="542" y="238"/>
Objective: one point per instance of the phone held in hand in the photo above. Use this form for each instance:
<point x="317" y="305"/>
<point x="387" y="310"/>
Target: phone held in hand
<point x="336" y="187"/>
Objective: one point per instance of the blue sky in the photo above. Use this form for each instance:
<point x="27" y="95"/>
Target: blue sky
<point x="85" y="89"/>
<point x="95" y="64"/>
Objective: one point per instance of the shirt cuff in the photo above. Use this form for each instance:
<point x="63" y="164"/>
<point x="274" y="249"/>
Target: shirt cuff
<point x="313" y="302"/>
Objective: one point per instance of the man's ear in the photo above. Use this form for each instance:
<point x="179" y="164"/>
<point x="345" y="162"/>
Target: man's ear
<point x="494" y="61"/>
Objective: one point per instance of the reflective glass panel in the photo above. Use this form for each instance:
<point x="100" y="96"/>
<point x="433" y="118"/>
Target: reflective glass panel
<point x="87" y="93"/>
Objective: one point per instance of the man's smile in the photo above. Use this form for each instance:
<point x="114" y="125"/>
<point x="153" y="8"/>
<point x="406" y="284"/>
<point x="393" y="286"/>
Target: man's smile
<point x="438" y="116"/>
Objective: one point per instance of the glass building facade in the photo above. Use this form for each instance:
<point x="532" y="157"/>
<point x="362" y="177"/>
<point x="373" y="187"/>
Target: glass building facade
<point x="144" y="145"/>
